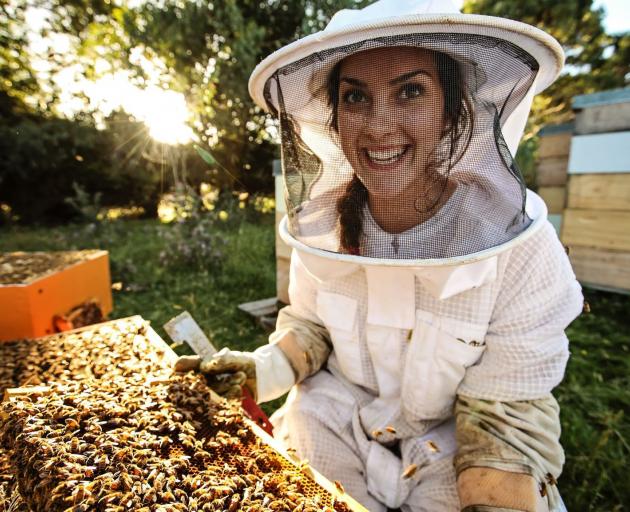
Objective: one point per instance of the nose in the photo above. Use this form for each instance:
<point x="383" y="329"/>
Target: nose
<point x="381" y="121"/>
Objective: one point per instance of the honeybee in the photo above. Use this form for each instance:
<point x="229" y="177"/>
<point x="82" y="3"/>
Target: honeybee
<point x="409" y="471"/>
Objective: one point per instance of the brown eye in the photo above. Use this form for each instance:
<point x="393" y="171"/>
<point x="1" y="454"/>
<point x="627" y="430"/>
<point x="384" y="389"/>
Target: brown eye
<point x="410" y="91"/>
<point x="354" y="96"/>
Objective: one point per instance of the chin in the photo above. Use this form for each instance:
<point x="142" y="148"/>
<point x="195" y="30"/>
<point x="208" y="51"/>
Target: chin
<point x="387" y="188"/>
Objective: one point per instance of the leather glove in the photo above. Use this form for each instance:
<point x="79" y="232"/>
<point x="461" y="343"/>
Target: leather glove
<point x="226" y="371"/>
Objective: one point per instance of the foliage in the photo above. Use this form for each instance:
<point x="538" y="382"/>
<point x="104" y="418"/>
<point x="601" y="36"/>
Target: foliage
<point x="17" y="80"/>
<point x="42" y="158"/>
<point x="86" y="205"/>
<point x="595" y="400"/>
<point x="192" y="238"/>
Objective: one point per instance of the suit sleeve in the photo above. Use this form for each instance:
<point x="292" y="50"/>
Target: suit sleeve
<point x="299" y="333"/>
<point x="507" y="418"/>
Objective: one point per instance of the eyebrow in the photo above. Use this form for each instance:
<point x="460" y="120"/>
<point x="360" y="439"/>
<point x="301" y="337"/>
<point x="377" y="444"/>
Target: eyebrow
<point x="353" y="81"/>
<point x="407" y="76"/>
<point x="398" y="80"/>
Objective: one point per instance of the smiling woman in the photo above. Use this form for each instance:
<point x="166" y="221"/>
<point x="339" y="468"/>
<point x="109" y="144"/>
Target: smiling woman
<point x="401" y="130"/>
<point x="428" y="293"/>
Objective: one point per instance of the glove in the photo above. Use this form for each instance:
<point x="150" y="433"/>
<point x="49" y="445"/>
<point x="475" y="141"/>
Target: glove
<point x="266" y="372"/>
<point x="226" y="371"/>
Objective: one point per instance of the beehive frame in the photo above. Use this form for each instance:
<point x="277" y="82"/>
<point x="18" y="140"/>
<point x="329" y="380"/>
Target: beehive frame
<point x="320" y="485"/>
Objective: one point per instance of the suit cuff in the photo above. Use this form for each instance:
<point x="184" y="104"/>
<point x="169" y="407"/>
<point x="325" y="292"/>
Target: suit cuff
<point x="274" y="374"/>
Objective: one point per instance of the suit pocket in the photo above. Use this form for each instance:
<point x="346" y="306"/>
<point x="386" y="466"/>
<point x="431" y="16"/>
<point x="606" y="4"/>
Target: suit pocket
<point x="440" y="351"/>
<point x="339" y="314"/>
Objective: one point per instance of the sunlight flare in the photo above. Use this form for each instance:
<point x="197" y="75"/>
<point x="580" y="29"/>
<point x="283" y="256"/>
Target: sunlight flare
<point x="164" y="112"/>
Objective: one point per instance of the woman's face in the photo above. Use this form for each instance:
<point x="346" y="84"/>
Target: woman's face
<point x="390" y="117"/>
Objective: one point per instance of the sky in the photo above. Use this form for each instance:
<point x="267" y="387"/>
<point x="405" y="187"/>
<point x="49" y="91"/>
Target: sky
<point x="617" y="15"/>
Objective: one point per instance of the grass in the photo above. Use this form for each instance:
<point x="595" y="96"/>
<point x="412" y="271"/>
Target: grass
<point x="159" y="292"/>
<point x="594" y="397"/>
<point x="595" y="403"/>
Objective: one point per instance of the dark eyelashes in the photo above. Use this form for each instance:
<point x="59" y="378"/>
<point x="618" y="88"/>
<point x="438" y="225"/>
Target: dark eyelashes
<point x="411" y="90"/>
<point x="357" y="93"/>
<point x="406" y="91"/>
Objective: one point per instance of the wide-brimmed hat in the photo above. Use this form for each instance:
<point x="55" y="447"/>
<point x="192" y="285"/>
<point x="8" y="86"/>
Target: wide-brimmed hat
<point x="387" y="19"/>
<point x="486" y="71"/>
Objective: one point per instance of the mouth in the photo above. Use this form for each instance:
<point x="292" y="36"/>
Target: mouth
<point x="386" y="156"/>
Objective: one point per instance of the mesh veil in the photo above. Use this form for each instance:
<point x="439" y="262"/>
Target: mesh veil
<point x="397" y="151"/>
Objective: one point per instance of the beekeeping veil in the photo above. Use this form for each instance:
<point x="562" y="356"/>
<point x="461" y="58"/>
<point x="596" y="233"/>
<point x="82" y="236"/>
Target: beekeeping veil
<point x="406" y="165"/>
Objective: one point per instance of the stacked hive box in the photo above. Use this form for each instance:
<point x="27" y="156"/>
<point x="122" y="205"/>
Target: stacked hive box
<point x="553" y="160"/>
<point x="596" y="223"/>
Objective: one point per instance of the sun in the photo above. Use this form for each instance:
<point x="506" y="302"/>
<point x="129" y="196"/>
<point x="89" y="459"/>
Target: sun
<point x="165" y="113"/>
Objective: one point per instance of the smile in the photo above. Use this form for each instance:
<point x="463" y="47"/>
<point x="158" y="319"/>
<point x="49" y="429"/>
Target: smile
<point x="386" y="156"/>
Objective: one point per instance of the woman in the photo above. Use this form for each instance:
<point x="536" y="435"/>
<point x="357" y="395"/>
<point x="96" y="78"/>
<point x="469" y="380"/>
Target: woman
<point x="429" y="295"/>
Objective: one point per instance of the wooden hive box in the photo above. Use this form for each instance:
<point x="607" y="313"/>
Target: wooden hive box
<point x="553" y="155"/>
<point x="554" y="198"/>
<point x="596" y="223"/>
<point x="602" y="112"/>
<point x="551" y="169"/>
<point x="35" y="287"/>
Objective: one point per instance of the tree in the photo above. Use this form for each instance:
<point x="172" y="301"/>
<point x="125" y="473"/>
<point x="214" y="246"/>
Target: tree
<point x="17" y="81"/>
<point x="206" y="50"/>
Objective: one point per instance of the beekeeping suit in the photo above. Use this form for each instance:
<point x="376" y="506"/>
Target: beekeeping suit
<point x="429" y="293"/>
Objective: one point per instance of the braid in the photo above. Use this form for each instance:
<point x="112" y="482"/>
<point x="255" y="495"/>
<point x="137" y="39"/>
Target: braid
<point x="350" y="209"/>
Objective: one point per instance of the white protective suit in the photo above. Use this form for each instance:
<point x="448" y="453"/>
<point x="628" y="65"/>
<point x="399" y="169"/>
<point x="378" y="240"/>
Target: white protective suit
<point x="425" y="353"/>
<point x="405" y="344"/>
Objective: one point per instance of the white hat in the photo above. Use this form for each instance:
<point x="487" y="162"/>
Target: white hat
<point x="397" y="17"/>
<point x="498" y="65"/>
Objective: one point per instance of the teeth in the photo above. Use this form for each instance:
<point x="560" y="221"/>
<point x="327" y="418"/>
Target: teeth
<point x="386" y="156"/>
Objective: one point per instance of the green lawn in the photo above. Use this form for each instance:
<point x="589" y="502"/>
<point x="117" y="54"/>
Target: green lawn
<point x="595" y="395"/>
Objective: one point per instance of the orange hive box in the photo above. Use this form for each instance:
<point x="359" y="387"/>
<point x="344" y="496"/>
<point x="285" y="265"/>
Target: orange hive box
<point x="46" y="284"/>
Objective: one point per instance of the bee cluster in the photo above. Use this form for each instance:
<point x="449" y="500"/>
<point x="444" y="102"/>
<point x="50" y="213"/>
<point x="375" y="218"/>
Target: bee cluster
<point x="104" y="438"/>
<point x="10" y="500"/>
<point x="125" y="445"/>
<point x="23" y="267"/>
<point x="105" y="351"/>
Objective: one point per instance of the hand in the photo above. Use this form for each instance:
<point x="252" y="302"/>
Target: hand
<point x="226" y="371"/>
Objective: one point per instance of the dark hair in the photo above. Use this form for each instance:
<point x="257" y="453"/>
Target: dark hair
<point x="459" y="116"/>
